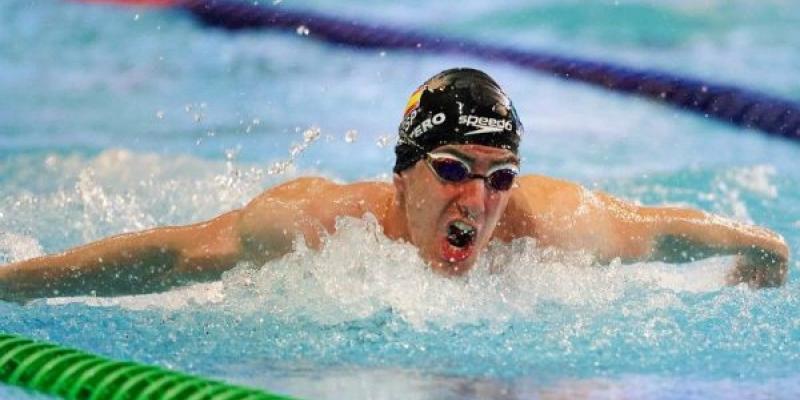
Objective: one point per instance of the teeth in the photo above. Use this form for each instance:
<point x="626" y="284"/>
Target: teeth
<point x="463" y="226"/>
<point x="460" y="234"/>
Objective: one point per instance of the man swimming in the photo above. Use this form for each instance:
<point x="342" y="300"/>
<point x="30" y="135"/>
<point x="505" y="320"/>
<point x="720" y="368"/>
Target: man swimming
<point x="455" y="189"/>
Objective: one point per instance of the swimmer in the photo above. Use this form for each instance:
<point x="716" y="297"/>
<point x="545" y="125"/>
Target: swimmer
<point x="456" y="187"/>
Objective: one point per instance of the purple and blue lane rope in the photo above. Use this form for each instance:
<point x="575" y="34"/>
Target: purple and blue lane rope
<point x="734" y="105"/>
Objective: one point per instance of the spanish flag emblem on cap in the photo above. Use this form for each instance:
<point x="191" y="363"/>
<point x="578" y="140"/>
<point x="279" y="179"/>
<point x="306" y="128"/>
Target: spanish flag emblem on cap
<point x="413" y="101"/>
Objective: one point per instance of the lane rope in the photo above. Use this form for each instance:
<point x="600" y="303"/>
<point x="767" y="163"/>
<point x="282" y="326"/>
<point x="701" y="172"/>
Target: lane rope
<point x="74" y="374"/>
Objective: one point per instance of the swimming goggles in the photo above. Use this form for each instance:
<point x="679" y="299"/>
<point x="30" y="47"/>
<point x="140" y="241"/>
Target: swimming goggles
<point x="449" y="168"/>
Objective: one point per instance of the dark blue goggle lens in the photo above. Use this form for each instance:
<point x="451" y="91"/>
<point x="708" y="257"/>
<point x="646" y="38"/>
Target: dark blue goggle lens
<point x="502" y="179"/>
<point x="452" y="170"/>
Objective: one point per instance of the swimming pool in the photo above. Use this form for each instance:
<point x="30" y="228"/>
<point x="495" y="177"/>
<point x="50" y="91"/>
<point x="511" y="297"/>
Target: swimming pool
<point x="118" y="119"/>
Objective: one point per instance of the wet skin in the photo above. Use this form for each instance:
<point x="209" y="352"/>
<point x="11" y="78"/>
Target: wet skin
<point x="431" y="205"/>
<point x="418" y="208"/>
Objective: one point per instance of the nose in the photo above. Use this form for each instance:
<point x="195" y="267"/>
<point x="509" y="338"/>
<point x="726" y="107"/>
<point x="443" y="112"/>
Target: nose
<point x="472" y="198"/>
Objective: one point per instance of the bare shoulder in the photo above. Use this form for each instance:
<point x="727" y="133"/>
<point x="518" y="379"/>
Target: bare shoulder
<point x="300" y="187"/>
<point x="324" y="198"/>
<point x="557" y="212"/>
<point x="308" y="206"/>
<point x="310" y="189"/>
<point x="541" y="194"/>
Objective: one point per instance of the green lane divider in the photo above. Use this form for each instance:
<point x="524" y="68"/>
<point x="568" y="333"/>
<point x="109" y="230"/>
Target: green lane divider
<point x="74" y="374"/>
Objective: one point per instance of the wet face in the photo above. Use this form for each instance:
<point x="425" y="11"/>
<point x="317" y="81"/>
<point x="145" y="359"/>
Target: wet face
<point x="452" y="222"/>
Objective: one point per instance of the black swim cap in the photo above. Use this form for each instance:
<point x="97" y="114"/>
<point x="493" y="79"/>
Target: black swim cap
<point x="456" y="106"/>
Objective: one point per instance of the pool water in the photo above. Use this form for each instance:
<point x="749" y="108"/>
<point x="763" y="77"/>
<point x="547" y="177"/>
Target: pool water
<point x="117" y="119"/>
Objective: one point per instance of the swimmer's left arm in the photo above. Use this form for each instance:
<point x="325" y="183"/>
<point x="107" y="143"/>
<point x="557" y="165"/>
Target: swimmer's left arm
<point x="674" y="235"/>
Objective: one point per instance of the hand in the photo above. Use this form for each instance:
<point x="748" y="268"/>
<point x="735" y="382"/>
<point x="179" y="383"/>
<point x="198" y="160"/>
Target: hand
<point x="759" y="268"/>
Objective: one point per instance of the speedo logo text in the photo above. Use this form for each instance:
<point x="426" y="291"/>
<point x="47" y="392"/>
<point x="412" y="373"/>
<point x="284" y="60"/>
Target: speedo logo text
<point x="485" y="124"/>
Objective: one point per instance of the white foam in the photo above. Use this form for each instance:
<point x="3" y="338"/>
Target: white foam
<point x="360" y="272"/>
<point x="14" y="247"/>
<point x="756" y="179"/>
<point x="201" y="294"/>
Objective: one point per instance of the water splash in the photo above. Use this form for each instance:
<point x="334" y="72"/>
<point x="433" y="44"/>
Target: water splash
<point x="310" y="136"/>
<point x="360" y="274"/>
<point x="370" y="302"/>
<point x="15" y="247"/>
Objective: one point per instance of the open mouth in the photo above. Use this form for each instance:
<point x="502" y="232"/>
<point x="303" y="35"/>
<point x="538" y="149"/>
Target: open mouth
<point x="460" y="234"/>
<point x="457" y="244"/>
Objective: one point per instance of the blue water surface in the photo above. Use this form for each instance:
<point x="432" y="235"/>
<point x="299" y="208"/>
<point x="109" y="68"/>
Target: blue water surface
<point x="117" y="119"/>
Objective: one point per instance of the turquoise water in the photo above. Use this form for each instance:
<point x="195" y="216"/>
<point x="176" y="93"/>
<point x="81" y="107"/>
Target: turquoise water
<point x="119" y="119"/>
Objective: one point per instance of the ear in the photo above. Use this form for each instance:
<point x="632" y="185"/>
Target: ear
<point x="399" y="188"/>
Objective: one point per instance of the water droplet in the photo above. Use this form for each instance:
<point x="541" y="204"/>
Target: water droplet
<point x="278" y="167"/>
<point x="302" y="30"/>
<point x="295" y="150"/>
<point x="136" y="17"/>
<point x="383" y="141"/>
<point x="311" y="135"/>
<point x="160" y="114"/>
<point x="351" y="136"/>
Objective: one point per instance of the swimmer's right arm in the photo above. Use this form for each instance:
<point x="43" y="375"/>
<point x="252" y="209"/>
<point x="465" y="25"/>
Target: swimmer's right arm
<point x="158" y="259"/>
<point x="133" y="263"/>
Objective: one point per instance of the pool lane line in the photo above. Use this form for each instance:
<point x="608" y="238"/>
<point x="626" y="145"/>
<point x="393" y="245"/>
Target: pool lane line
<point x="74" y="374"/>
